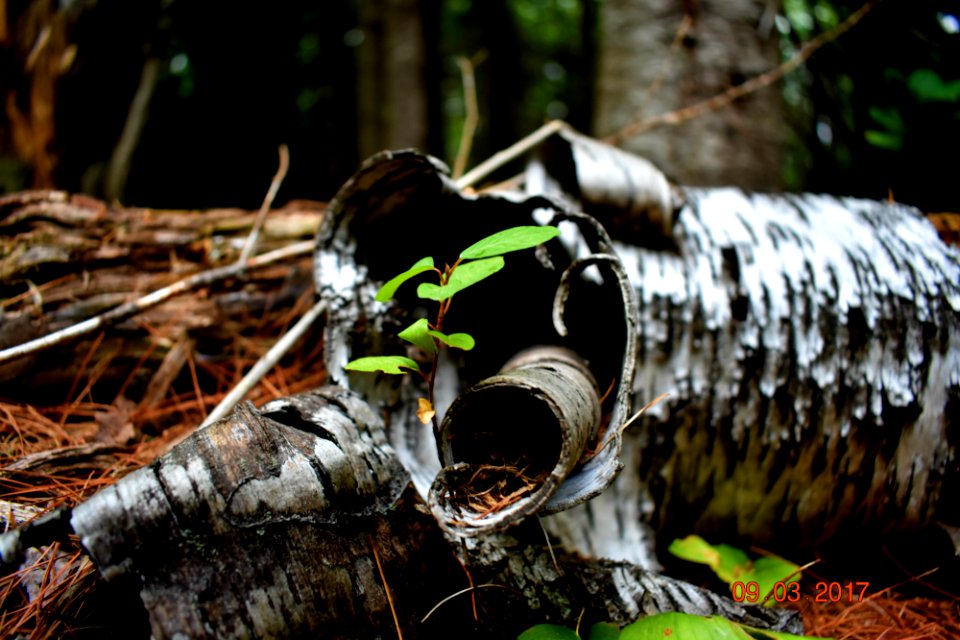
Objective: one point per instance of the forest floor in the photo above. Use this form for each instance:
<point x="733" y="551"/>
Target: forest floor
<point x="79" y="420"/>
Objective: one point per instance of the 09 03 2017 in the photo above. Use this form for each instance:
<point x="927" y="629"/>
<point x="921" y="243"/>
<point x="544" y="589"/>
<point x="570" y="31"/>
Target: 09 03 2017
<point x="823" y="591"/>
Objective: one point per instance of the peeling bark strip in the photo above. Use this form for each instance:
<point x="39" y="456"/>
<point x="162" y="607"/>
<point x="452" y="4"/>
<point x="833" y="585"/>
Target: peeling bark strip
<point x="624" y="189"/>
<point x="509" y="441"/>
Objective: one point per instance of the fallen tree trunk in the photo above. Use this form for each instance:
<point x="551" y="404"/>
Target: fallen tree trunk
<point x="811" y="349"/>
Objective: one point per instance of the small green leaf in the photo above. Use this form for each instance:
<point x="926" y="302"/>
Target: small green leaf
<point x="456" y="340"/>
<point x="729" y="563"/>
<point x="508" y="240"/>
<point x="733" y="565"/>
<point x="386" y="364"/>
<point x="604" y="631"/>
<point x="695" y="549"/>
<point x="419" y="333"/>
<point x="466" y="274"/>
<point x="387" y="290"/>
<point x="682" y="625"/>
<point x="768" y="571"/>
<point x="548" y="632"/>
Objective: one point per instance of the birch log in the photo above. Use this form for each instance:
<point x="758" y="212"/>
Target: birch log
<point x="811" y="347"/>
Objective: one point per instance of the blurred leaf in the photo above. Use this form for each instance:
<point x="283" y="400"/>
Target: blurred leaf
<point x="463" y="276"/>
<point x="927" y="86"/>
<point x="768" y="571"/>
<point x="514" y="239"/>
<point x="386" y="364"/>
<point x="729" y="563"/>
<point x="387" y="290"/>
<point x="695" y="549"/>
<point x="884" y="140"/>
<point x="548" y="632"/>
<point x="733" y="565"/>
<point x="888" y="117"/>
<point x="604" y="631"/>
<point x="893" y="128"/>
<point x="419" y="334"/>
<point x="681" y="626"/>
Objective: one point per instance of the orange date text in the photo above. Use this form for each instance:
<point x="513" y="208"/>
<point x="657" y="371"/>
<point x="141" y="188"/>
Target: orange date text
<point x="792" y="592"/>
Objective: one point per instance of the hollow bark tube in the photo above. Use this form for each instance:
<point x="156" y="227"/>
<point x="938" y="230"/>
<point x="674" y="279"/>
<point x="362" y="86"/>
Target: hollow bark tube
<point x="509" y="441"/>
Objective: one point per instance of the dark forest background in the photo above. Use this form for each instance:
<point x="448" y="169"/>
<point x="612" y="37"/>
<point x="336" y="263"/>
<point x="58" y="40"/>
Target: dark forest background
<point x="177" y="104"/>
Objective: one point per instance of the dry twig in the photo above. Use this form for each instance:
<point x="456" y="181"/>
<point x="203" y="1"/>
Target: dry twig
<point x="251" y="245"/>
<point x="152" y="299"/>
<point x="471" y="118"/>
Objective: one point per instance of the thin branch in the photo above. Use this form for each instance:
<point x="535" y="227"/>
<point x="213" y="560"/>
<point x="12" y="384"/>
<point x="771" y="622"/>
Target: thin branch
<point x="154" y="298"/>
<point x="469" y="589"/>
<point x="265" y="364"/>
<point x="501" y="158"/>
<point x="471" y="119"/>
<point x="682" y="30"/>
<point x="118" y="169"/>
<point x="254" y="236"/>
<point x="750" y="86"/>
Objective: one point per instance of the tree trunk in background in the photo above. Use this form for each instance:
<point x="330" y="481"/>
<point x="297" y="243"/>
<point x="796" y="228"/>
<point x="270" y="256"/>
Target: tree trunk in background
<point x="391" y="81"/>
<point x="724" y="46"/>
<point x="500" y="79"/>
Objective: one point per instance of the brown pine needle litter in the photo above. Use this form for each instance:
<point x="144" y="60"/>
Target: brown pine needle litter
<point x="889" y="616"/>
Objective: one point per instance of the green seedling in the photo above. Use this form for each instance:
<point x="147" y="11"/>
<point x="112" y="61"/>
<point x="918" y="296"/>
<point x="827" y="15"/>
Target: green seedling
<point x="765" y="579"/>
<point x="476" y="263"/>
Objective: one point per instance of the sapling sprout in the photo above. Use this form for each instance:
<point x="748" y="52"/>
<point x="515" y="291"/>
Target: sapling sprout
<point x="475" y="263"/>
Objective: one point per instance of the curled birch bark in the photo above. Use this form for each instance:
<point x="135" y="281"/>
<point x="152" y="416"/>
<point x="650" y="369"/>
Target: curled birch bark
<point x="376" y="224"/>
<point x="507" y="442"/>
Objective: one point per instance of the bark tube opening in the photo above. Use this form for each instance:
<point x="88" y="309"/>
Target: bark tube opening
<point x="508" y="442"/>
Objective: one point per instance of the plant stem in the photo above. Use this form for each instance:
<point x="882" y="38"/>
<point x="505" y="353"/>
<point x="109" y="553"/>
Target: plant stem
<point x="430" y="395"/>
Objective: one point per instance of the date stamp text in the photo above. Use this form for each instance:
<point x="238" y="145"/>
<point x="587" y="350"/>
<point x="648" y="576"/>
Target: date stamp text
<point x="792" y="592"/>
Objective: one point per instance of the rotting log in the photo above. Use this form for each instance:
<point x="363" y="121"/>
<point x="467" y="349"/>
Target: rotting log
<point x="65" y="258"/>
